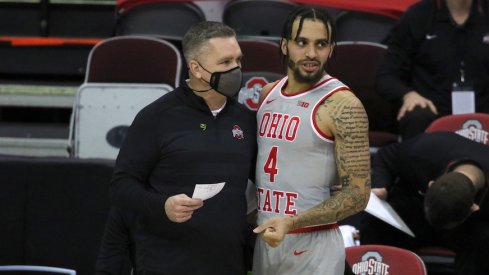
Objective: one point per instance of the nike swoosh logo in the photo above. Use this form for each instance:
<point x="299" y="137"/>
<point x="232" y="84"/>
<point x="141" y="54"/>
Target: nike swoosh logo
<point x="430" y="36"/>
<point x="270" y="101"/>
<point x="297" y="253"/>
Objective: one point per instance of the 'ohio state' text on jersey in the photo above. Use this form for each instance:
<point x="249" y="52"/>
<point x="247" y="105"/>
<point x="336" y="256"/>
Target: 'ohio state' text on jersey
<point x="296" y="162"/>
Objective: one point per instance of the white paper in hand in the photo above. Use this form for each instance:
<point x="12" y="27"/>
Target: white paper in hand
<point x="207" y="191"/>
<point x="382" y="210"/>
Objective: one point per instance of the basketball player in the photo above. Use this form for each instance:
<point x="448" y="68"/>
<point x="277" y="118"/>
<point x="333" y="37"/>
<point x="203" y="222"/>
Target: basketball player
<point x="313" y="133"/>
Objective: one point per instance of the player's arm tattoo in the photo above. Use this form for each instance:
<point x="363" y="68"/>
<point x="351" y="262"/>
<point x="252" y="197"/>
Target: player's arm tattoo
<point x="350" y="124"/>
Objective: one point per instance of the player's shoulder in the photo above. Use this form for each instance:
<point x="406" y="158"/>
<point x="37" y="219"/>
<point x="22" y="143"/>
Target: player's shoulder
<point x="268" y="87"/>
<point x="265" y="90"/>
<point x="343" y="100"/>
<point x="344" y="94"/>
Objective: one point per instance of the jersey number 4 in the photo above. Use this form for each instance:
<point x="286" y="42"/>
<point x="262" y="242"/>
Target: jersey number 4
<point x="270" y="166"/>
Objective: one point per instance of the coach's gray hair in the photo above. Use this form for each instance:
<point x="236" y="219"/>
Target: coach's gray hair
<point x="196" y="38"/>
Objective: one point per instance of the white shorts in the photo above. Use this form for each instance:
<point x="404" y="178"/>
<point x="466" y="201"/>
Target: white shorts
<point x="312" y="253"/>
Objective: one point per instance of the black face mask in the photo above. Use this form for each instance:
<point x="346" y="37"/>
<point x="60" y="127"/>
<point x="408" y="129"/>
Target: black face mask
<point x="227" y="83"/>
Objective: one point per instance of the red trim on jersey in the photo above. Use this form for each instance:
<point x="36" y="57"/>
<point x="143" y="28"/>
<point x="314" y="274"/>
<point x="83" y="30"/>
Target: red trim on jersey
<point x="269" y="91"/>
<point x="342" y="88"/>
<point x="307" y="90"/>
<point x="314" y="228"/>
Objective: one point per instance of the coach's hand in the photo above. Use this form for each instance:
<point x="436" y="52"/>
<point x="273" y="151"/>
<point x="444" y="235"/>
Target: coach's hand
<point x="274" y="230"/>
<point x="179" y="208"/>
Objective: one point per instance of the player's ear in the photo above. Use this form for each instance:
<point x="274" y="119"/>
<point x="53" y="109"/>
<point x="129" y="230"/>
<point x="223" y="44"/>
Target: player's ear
<point x="283" y="46"/>
<point x="430" y="183"/>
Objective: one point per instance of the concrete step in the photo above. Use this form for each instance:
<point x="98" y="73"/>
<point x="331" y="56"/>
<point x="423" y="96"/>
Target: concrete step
<point x="34" y="147"/>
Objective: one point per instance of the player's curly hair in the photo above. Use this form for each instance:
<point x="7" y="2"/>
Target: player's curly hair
<point x="447" y="202"/>
<point x="304" y="12"/>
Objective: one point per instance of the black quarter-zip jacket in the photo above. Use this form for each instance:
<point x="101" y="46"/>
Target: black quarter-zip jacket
<point x="173" y="144"/>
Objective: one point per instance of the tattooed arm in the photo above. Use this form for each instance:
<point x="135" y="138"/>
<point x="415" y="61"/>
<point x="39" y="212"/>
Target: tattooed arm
<point x="343" y="117"/>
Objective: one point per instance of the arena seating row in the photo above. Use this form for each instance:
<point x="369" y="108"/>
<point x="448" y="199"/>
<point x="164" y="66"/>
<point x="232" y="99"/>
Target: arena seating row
<point x="48" y="18"/>
<point x="52" y="40"/>
<point x="45" y="45"/>
<point x="263" y="19"/>
<point x="150" y="61"/>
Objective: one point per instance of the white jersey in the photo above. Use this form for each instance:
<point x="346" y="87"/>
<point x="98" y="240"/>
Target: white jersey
<point x="296" y="161"/>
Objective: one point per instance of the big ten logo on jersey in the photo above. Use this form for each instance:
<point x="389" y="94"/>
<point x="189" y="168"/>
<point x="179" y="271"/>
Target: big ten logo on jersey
<point x="249" y="94"/>
<point x="474" y="130"/>
<point x="279" y="126"/>
<point x="276" y="201"/>
<point x="371" y="263"/>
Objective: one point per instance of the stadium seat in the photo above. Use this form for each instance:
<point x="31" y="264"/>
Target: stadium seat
<point x="104" y="112"/>
<point x="261" y="64"/>
<point x="134" y="59"/>
<point x="439" y="260"/>
<point x="474" y="126"/>
<point x="124" y="75"/>
<point x="168" y="20"/>
<point x="253" y="82"/>
<point x="363" y="26"/>
<point x="261" y="55"/>
<point x="381" y="259"/>
<point x="356" y="64"/>
<point x="263" y="19"/>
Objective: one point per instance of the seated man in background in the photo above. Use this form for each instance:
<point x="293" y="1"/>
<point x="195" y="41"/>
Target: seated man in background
<point x="437" y="47"/>
<point x="437" y="183"/>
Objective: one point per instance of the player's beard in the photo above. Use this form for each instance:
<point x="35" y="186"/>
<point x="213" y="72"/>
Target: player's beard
<point x="305" y="77"/>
